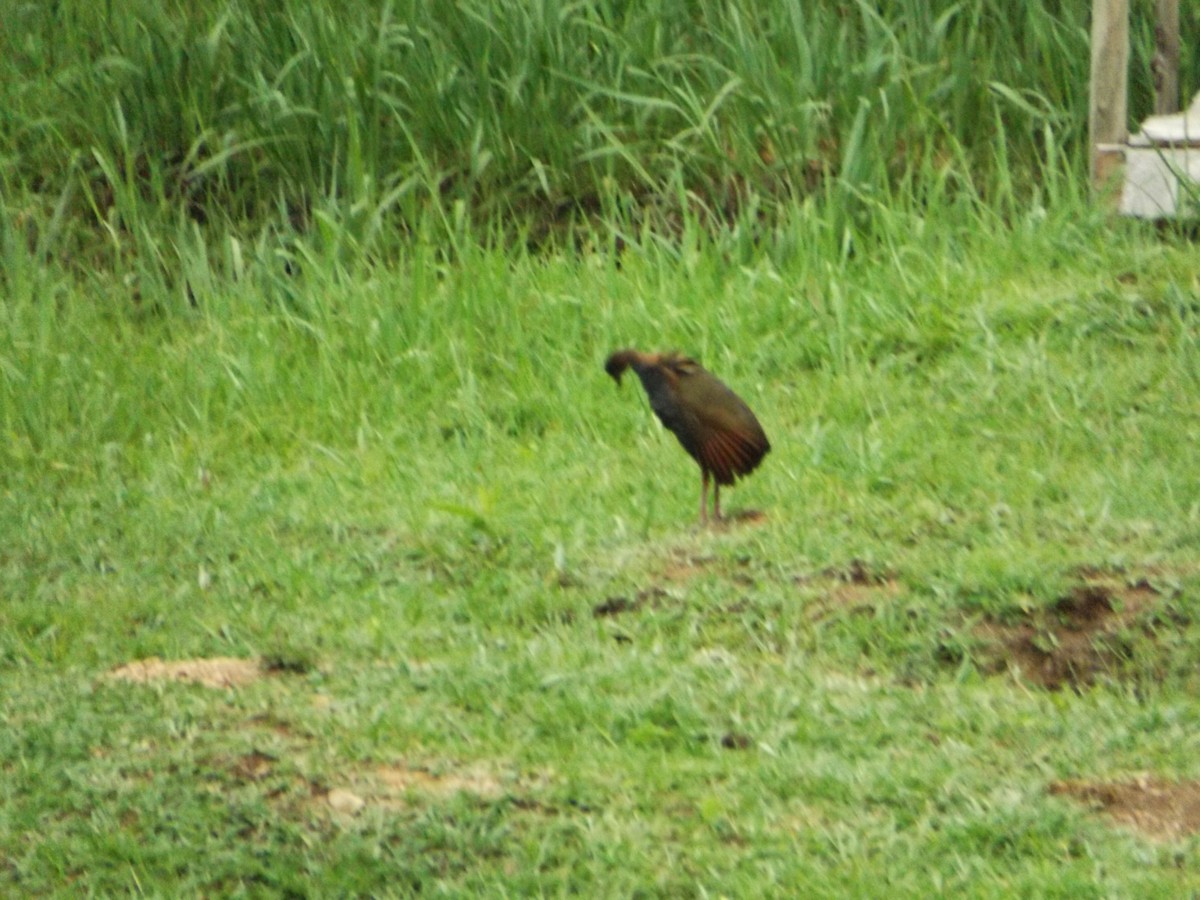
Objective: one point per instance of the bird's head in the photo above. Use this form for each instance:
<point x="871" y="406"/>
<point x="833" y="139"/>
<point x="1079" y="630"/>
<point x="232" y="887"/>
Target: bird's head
<point x="615" y="367"/>
<point x="623" y="359"/>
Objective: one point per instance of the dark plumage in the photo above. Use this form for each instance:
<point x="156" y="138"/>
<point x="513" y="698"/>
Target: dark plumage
<point x="712" y="423"/>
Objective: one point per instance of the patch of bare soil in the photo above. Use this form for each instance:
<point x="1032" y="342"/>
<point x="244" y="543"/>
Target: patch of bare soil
<point x="742" y="517"/>
<point x="615" y="606"/>
<point x="402" y="786"/>
<point x="219" y="672"/>
<point x="253" y="766"/>
<point x="1162" y="810"/>
<point x="671" y="573"/>
<point x="682" y="566"/>
<point x="478" y="781"/>
<point x="676" y="571"/>
<point x="395" y="787"/>
<point x="1078" y="639"/>
<point x="857" y="587"/>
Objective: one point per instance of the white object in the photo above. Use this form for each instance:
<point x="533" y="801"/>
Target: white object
<point x="1162" y="166"/>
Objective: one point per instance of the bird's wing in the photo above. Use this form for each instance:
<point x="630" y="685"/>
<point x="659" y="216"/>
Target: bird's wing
<point x="729" y="454"/>
<point x="730" y="440"/>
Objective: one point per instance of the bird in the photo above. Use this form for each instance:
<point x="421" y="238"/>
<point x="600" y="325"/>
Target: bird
<point x="712" y="423"/>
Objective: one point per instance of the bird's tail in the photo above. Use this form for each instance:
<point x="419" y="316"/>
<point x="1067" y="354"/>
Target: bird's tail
<point x="623" y="359"/>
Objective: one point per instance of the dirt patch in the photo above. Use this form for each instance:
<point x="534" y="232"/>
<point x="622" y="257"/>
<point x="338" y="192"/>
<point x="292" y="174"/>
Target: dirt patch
<point x="219" y="672"/>
<point x="742" y="517"/>
<point x="673" y="572"/>
<point x="391" y="788"/>
<point x="478" y="781"/>
<point x="1081" y="637"/>
<point x="857" y="587"/>
<point x="401" y="786"/>
<point x="736" y="740"/>
<point x="683" y="567"/>
<point x="1163" y="810"/>
<point x="253" y="766"/>
<point x="615" y="606"/>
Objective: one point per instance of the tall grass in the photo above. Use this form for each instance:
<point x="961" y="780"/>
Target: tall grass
<point x="126" y="140"/>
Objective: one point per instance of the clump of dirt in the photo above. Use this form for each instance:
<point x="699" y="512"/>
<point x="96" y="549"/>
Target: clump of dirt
<point x="219" y="672"/>
<point x="736" y="740"/>
<point x="1160" y="809"/>
<point x="615" y="606"/>
<point x="344" y="803"/>
<point x="1075" y="641"/>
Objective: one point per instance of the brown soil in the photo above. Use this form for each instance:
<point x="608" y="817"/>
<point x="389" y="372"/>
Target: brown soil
<point x="402" y="786"/>
<point x="398" y="780"/>
<point x="742" y="517"/>
<point x="682" y="566"/>
<point x="220" y="672"/>
<point x="360" y="786"/>
<point x="615" y="606"/>
<point x="1162" y="810"/>
<point x="857" y="587"/>
<point x="1075" y="641"/>
<point x="736" y="740"/>
<point x="253" y="766"/>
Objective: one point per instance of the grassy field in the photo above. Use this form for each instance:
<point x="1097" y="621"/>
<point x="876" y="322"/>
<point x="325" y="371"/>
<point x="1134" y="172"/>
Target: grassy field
<point x="333" y="564"/>
<point x="495" y="655"/>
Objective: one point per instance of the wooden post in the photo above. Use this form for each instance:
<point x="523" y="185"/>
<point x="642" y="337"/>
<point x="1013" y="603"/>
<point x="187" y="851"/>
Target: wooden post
<point x="1166" y="56"/>
<point x="1107" y="109"/>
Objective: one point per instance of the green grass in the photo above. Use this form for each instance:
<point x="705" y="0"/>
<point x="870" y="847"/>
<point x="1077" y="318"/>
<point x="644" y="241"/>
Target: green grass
<point x="303" y="314"/>
<point x="410" y="487"/>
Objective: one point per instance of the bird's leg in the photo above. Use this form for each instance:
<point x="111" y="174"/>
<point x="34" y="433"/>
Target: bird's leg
<point x="703" y="496"/>
<point x="716" y="500"/>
